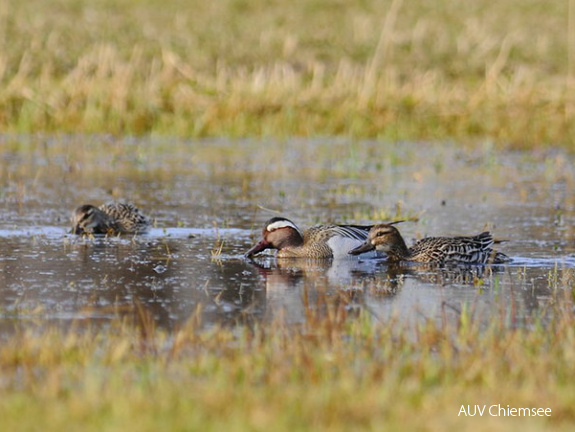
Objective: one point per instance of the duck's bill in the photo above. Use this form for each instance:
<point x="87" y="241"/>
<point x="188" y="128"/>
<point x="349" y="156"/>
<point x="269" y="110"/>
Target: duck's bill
<point x="76" y="230"/>
<point x="366" y="247"/>
<point x="262" y="245"/>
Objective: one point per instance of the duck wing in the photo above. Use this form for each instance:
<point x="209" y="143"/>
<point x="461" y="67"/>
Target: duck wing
<point x="336" y="240"/>
<point x="455" y="250"/>
<point x="128" y="217"/>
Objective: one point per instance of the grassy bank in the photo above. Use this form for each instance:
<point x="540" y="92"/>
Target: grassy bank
<point x="387" y="69"/>
<point x="334" y="372"/>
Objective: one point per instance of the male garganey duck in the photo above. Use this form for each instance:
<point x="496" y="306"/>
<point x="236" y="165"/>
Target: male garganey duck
<point x="474" y="250"/>
<point x="319" y="242"/>
<point x="112" y="219"/>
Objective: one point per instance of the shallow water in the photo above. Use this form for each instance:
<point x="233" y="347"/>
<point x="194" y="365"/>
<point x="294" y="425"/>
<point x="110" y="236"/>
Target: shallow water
<point x="210" y="199"/>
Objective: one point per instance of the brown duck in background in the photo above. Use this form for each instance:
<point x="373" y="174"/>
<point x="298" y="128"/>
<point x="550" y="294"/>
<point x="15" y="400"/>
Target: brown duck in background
<point x="111" y="218"/>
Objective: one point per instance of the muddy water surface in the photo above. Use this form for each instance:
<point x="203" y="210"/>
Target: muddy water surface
<point x="210" y="199"/>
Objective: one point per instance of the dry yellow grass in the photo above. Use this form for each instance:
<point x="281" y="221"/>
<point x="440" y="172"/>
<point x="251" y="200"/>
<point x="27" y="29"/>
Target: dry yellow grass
<point x="333" y="372"/>
<point x="388" y="69"/>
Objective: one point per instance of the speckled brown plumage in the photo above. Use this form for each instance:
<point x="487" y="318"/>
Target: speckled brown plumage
<point x="433" y="250"/>
<point x="111" y="218"/>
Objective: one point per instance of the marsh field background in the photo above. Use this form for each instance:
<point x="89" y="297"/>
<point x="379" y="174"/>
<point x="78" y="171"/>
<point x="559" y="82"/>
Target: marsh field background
<point x="394" y="70"/>
<point x="214" y="116"/>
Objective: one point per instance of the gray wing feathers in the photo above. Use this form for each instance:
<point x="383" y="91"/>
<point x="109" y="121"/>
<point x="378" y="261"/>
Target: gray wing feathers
<point x="355" y="232"/>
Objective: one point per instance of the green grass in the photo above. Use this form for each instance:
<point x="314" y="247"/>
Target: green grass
<point x="332" y="372"/>
<point x="393" y="70"/>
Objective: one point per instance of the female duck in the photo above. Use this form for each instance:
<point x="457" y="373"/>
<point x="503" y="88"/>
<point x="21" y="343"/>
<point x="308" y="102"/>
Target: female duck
<point x="112" y="219"/>
<point x="474" y="250"/>
<point x="319" y="242"/>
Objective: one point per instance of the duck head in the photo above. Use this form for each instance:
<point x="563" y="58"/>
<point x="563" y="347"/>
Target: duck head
<point x="277" y="233"/>
<point x="382" y="237"/>
<point x="89" y="219"/>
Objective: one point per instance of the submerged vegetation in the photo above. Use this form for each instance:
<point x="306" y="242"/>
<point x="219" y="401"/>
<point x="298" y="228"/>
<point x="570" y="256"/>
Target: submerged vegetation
<point x="384" y="69"/>
<point x="336" y="371"/>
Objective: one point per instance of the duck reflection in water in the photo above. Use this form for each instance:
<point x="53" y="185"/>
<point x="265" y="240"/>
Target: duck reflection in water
<point x="294" y="287"/>
<point x="298" y="289"/>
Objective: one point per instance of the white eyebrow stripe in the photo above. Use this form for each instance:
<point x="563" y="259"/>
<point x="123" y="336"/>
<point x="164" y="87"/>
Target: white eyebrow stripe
<point x="283" y="224"/>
